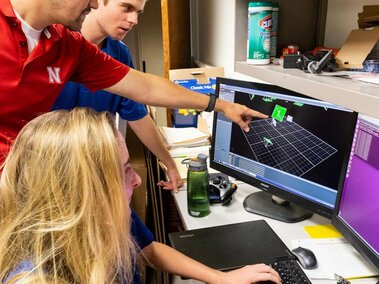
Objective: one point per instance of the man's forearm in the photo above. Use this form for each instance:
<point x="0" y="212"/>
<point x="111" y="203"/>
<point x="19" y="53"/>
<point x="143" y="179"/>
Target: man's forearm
<point x="154" y="90"/>
<point x="147" y="132"/>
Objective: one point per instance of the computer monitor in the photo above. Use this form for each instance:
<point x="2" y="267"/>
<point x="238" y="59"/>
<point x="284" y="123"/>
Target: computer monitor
<point x="357" y="208"/>
<point x="299" y="153"/>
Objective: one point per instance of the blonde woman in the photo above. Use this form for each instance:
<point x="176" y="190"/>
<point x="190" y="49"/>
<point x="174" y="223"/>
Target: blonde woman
<point x="64" y="214"/>
<point x="167" y="259"/>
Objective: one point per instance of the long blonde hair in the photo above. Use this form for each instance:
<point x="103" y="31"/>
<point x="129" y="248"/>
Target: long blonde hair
<point x="62" y="205"/>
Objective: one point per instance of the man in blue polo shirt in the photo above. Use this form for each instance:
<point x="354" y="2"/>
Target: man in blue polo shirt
<point x="105" y="27"/>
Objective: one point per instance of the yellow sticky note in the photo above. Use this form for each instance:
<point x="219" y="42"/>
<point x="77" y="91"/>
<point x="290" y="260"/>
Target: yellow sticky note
<point x="322" y="231"/>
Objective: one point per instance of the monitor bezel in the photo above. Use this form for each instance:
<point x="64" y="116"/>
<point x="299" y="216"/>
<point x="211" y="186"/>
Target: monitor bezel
<point x="355" y="240"/>
<point x="269" y="188"/>
<point x="363" y="249"/>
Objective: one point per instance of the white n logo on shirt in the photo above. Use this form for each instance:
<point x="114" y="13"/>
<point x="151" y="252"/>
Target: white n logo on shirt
<point x="54" y="74"/>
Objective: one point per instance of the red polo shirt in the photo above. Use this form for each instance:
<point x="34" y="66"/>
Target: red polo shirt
<point x="29" y="84"/>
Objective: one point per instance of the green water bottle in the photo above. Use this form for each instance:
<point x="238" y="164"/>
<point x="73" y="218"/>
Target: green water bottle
<point x="198" y="187"/>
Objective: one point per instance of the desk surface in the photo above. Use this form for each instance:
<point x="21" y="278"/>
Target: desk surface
<point x="235" y="213"/>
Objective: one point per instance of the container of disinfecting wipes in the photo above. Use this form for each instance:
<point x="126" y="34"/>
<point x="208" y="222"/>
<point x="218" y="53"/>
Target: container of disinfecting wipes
<point x="259" y="29"/>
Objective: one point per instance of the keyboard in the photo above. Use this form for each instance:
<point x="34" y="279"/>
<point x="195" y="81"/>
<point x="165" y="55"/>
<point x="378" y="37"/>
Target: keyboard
<point x="290" y="272"/>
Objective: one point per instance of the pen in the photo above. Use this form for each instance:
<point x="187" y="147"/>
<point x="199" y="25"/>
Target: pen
<point x="342" y="280"/>
<point x="360" y="277"/>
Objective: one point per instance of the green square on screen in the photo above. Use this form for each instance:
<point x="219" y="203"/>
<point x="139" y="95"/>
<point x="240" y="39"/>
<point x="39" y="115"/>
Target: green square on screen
<point x="279" y="112"/>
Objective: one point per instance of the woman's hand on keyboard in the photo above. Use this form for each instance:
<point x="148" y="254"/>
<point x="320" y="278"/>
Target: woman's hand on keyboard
<point x="253" y="274"/>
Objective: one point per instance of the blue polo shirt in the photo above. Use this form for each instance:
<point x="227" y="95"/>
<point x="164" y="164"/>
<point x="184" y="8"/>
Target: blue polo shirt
<point x="77" y="95"/>
<point x="143" y="238"/>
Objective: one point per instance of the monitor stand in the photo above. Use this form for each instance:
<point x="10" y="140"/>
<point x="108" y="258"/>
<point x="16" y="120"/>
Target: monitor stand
<point x="262" y="203"/>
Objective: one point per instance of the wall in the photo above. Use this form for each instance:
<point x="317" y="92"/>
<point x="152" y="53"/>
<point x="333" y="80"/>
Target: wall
<point x="215" y="32"/>
<point x="145" y="40"/>
<point x="150" y="33"/>
<point x="132" y="41"/>
<point x="151" y="46"/>
<point x="145" y="43"/>
<point x="342" y="18"/>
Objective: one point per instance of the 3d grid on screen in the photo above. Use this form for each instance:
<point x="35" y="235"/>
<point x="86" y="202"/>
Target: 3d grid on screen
<point x="286" y="145"/>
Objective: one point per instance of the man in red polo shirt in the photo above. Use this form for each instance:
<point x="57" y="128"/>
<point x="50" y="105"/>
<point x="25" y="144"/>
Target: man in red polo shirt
<point x="39" y="53"/>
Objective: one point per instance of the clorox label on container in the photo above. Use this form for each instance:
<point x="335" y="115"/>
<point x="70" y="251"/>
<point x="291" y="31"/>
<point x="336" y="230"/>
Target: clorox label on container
<point x="259" y="30"/>
<point x="266" y="23"/>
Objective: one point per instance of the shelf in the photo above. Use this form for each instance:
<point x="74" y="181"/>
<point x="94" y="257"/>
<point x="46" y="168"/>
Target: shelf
<point x="358" y="96"/>
<point x="305" y="29"/>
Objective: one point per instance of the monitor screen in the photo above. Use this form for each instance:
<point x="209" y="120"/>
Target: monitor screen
<point x="358" y="202"/>
<point x="299" y="153"/>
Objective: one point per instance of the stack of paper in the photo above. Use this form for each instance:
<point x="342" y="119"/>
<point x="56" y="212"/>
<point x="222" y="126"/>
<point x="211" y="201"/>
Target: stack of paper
<point x="189" y="152"/>
<point x="184" y="137"/>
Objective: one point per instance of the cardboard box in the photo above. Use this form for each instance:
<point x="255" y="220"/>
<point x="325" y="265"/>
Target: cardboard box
<point x="201" y="80"/>
<point x="369" y="17"/>
<point x="357" y="46"/>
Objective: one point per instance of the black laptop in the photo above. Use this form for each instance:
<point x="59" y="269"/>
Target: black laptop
<point x="233" y="246"/>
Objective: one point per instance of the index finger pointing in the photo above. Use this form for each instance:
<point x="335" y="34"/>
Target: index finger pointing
<point x="255" y="113"/>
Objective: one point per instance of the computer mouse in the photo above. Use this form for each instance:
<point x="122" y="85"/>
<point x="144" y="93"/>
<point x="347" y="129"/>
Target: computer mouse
<point x="306" y="258"/>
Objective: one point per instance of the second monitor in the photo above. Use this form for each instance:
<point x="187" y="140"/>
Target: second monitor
<point x="299" y="153"/>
